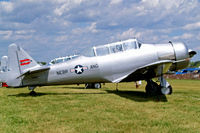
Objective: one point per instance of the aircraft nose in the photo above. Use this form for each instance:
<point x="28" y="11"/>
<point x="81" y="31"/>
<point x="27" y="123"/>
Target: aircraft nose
<point x="180" y="50"/>
<point x="191" y="53"/>
<point x="183" y="55"/>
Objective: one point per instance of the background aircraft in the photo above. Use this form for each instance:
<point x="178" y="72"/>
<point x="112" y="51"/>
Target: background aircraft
<point x="3" y="69"/>
<point x="123" y="61"/>
<point x="4" y="64"/>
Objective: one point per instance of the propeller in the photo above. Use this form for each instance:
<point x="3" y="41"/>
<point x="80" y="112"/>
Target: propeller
<point x="191" y="53"/>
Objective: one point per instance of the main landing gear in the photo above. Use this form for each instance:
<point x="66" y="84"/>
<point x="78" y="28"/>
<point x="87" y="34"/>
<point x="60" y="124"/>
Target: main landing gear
<point x="93" y="86"/>
<point x="31" y="88"/>
<point x="153" y="89"/>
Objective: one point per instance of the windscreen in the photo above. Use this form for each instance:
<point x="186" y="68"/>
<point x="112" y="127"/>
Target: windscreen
<point x="130" y="45"/>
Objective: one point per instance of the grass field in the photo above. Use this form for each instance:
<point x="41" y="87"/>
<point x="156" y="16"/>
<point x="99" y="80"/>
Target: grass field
<point x="74" y="109"/>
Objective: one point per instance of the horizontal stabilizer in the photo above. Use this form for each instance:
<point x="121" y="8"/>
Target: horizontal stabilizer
<point x="35" y="70"/>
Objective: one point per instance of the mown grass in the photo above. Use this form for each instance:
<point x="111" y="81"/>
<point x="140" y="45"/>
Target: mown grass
<point x="74" y="109"/>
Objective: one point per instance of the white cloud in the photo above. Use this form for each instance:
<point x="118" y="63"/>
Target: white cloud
<point x="165" y="5"/>
<point x="114" y="2"/>
<point x="92" y="28"/>
<point x="6" y="6"/>
<point x="59" y="11"/>
<point x="85" y="30"/>
<point x="61" y="38"/>
<point x="6" y="34"/>
<point x="152" y="3"/>
<point x="184" y="36"/>
<point x="66" y="6"/>
<point x="24" y="37"/>
<point x="130" y="33"/>
<point x="192" y="26"/>
<point x="24" y="31"/>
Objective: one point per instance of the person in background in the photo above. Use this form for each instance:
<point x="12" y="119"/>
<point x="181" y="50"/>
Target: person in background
<point x="138" y="83"/>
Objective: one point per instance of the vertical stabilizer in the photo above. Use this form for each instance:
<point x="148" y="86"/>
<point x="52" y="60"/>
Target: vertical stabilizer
<point x="19" y="60"/>
<point x="18" y="63"/>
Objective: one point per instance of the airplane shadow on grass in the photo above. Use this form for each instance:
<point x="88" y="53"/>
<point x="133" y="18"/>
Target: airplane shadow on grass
<point x="73" y="87"/>
<point x="138" y="96"/>
<point x="37" y="94"/>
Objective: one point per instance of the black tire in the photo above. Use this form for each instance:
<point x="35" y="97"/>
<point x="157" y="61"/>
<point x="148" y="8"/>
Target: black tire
<point x="171" y="90"/>
<point x="93" y="86"/>
<point x="152" y="88"/>
<point x="97" y="85"/>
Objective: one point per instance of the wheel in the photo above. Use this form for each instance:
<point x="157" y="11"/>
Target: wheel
<point x="93" y="86"/>
<point x="97" y="85"/>
<point x="152" y="88"/>
<point x="166" y="91"/>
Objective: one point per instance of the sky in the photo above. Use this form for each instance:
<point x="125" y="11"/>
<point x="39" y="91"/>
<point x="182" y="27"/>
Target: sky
<point x="47" y="29"/>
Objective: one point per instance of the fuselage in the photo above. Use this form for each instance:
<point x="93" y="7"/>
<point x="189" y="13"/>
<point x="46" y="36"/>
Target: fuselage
<point x="122" y="61"/>
<point x="109" y="67"/>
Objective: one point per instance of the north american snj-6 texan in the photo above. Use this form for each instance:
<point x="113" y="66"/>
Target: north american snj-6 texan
<point x="122" y="61"/>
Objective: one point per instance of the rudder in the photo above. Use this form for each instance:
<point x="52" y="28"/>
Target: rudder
<point x="20" y="60"/>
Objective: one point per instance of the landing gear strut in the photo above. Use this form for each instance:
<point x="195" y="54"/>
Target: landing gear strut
<point x="166" y="88"/>
<point x="153" y="89"/>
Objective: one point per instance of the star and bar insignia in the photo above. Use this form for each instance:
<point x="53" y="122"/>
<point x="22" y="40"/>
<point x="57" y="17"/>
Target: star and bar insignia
<point x="79" y="69"/>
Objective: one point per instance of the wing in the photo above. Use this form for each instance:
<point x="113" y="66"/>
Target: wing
<point x="149" y="71"/>
<point x="145" y="72"/>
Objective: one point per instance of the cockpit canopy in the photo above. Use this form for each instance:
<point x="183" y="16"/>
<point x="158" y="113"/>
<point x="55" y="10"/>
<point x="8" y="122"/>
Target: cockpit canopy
<point x="116" y="47"/>
<point x="62" y="59"/>
<point x="102" y="50"/>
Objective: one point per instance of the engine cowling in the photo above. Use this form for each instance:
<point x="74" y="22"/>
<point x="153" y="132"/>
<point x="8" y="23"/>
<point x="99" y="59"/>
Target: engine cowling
<point x="177" y="52"/>
<point x="182" y="58"/>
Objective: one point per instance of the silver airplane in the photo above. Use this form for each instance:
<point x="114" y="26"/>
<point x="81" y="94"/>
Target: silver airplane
<point x="122" y="61"/>
<point x="4" y="64"/>
<point x="3" y="68"/>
